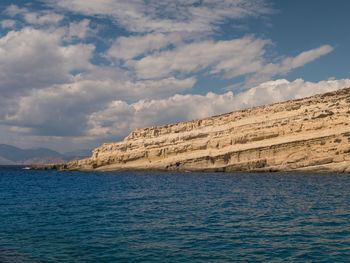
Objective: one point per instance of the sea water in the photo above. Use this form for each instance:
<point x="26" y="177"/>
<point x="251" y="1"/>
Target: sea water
<point x="50" y="216"/>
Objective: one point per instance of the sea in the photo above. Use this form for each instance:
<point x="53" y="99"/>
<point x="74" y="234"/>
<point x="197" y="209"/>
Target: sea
<point x="50" y="216"/>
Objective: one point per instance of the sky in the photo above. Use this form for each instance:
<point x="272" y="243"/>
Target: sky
<point x="77" y="73"/>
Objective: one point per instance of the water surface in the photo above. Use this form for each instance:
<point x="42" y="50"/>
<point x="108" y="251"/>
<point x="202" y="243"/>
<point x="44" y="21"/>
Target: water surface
<point x="49" y="216"/>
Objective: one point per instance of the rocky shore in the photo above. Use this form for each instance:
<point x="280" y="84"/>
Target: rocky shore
<point x="306" y="135"/>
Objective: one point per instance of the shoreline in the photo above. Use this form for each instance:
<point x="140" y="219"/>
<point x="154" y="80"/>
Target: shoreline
<point x="304" y="135"/>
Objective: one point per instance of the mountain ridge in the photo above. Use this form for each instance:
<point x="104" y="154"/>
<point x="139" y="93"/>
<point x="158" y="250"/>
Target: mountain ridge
<point x="11" y="155"/>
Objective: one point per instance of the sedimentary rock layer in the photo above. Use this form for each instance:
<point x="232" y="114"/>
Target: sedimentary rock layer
<point x="310" y="134"/>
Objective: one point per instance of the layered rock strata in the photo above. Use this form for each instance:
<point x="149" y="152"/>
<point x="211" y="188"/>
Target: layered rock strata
<point x="307" y="135"/>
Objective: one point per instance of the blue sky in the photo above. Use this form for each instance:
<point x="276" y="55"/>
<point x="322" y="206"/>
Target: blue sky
<point x="75" y="73"/>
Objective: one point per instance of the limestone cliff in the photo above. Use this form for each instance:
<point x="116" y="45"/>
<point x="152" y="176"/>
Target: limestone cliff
<point x="310" y="134"/>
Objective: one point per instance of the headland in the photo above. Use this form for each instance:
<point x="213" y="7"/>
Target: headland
<point x="305" y="135"/>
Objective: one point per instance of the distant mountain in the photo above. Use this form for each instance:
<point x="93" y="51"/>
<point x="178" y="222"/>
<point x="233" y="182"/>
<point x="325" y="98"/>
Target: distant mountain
<point x="16" y="154"/>
<point x="13" y="155"/>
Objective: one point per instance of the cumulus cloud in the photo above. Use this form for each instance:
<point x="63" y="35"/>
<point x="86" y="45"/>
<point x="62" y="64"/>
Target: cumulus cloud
<point x="32" y="58"/>
<point x="57" y="110"/>
<point x="41" y="94"/>
<point x="283" y="90"/>
<point x="119" y="118"/>
<point x="115" y="83"/>
<point x="58" y="77"/>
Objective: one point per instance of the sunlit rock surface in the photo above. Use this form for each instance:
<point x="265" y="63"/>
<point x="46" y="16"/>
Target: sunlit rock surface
<point x="309" y="135"/>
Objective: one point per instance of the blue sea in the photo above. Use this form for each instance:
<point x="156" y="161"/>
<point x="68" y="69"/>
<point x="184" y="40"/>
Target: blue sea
<point x="50" y="216"/>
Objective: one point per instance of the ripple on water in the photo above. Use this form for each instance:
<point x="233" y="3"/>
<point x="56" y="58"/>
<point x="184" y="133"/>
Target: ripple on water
<point x="48" y="216"/>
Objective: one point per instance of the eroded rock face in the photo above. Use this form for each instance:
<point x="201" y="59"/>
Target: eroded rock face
<point x="310" y="134"/>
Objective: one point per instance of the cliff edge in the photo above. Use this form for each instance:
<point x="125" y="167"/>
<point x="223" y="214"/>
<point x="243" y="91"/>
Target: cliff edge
<point x="306" y="135"/>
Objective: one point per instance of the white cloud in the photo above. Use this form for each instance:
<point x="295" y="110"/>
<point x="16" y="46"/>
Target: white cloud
<point x="286" y="65"/>
<point x="42" y="18"/>
<point x="79" y="30"/>
<point x="239" y="56"/>
<point x="13" y="10"/>
<point x="111" y="83"/>
<point x="167" y="15"/>
<point x="34" y="18"/>
<point x="233" y="58"/>
<point x="133" y="46"/>
<point x="158" y="88"/>
<point x="106" y="101"/>
<point x="119" y="118"/>
<point x="304" y="57"/>
<point x="40" y="94"/>
<point x="51" y="111"/>
<point x="50" y="88"/>
<point x="8" y="23"/>
<point x="283" y="90"/>
<point x="32" y="58"/>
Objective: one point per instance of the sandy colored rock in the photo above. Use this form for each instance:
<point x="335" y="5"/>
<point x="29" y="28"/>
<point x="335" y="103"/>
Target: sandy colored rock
<point x="306" y="135"/>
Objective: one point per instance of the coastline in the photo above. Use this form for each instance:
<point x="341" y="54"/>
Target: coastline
<point x="305" y="135"/>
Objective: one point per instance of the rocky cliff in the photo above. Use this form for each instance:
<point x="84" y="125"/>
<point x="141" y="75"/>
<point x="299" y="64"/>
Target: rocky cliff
<point x="310" y="135"/>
